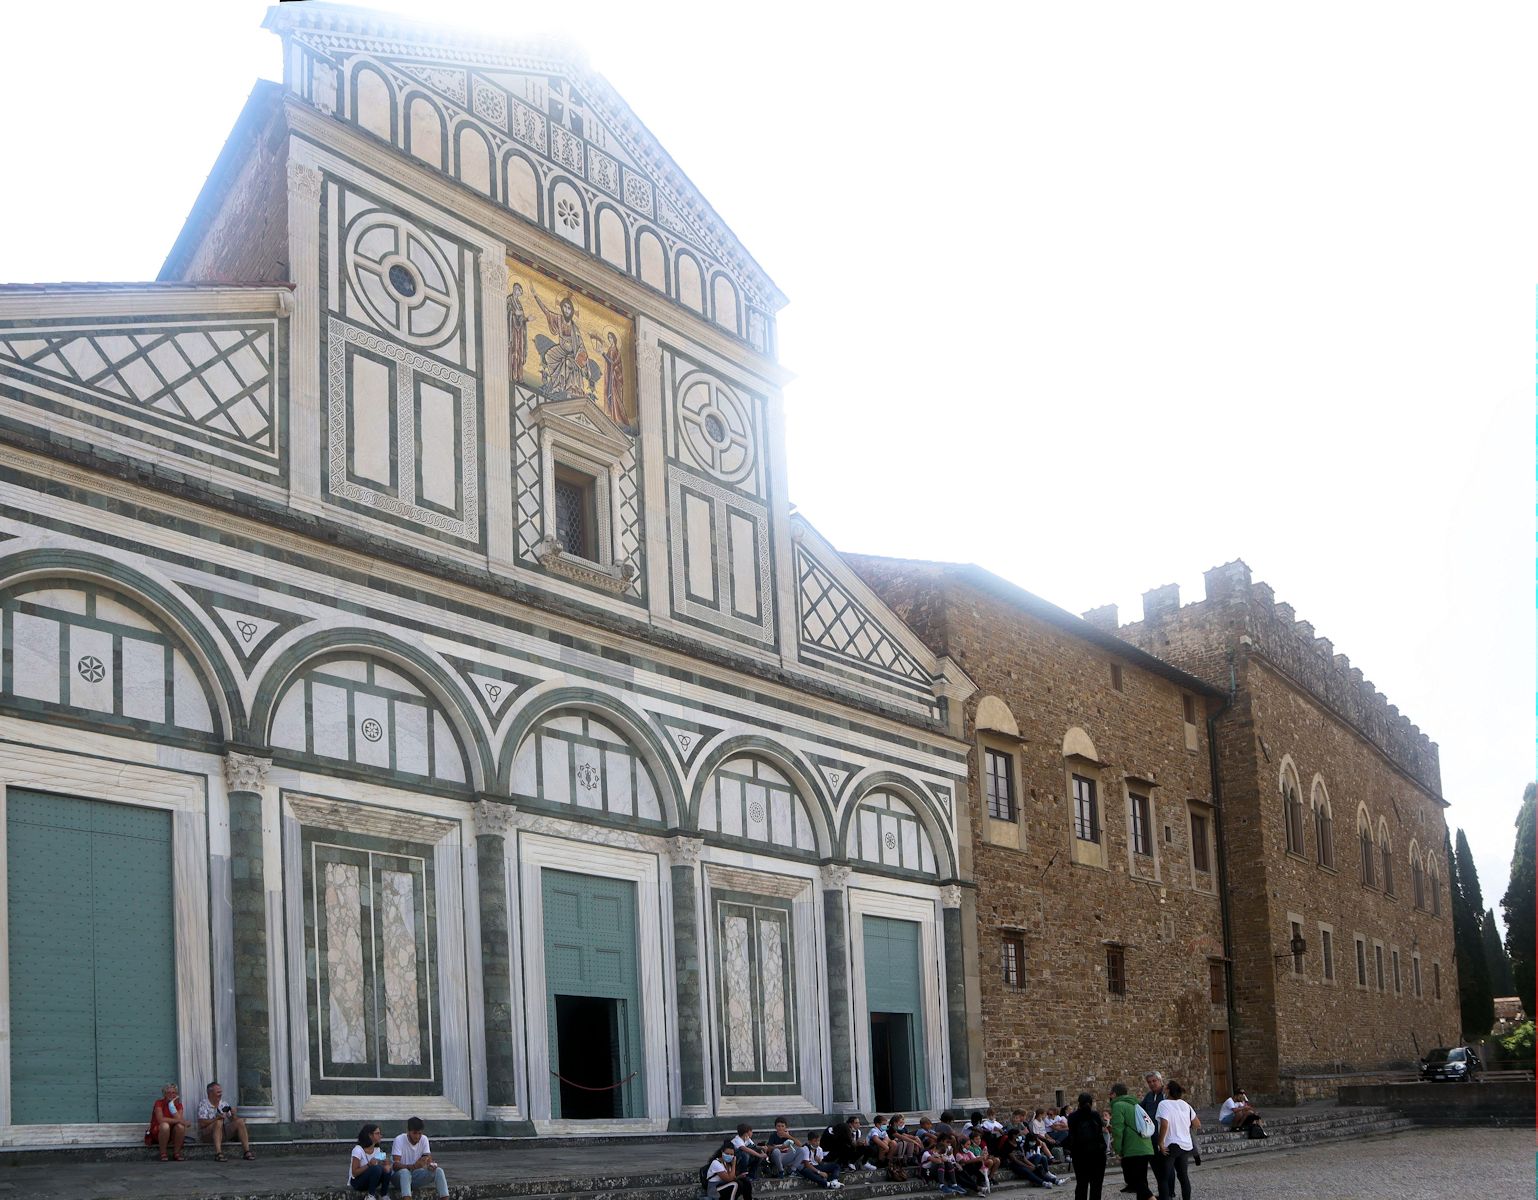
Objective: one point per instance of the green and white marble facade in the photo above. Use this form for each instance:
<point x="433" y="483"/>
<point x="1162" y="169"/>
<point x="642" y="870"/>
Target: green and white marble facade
<point x="297" y="605"/>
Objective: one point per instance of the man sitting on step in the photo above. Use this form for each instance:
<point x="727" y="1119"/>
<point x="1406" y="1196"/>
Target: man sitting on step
<point x="1238" y="1115"/>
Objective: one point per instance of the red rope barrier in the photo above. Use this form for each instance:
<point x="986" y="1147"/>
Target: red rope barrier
<point x="606" y="1088"/>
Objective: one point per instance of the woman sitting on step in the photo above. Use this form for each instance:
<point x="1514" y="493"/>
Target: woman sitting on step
<point x="721" y="1178"/>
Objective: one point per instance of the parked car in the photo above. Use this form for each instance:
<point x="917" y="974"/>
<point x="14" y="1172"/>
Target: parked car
<point x="1457" y="1063"/>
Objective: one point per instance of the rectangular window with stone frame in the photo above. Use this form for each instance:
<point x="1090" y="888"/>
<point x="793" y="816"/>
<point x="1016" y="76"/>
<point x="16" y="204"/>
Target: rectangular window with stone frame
<point x="1361" y="962"/>
<point x="1142" y="825"/>
<point x="1327" y="951"/>
<point x="1201" y="860"/>
<point x="576" y="513"/>
<point x="1086" y="810"/>
<point x="999" y="785"/>
<point x="1013" y="961"/>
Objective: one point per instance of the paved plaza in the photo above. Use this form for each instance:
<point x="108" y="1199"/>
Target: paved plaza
<point x="1481" y="1164"/>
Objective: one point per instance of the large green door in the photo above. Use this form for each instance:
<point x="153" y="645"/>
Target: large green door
<point x="593" y="996"/>
<point x="894" y="999"/>
<point x="92" y="963"/>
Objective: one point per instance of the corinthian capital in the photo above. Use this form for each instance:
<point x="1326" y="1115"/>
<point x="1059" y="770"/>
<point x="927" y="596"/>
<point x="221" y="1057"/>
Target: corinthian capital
<point x="245" y="772"/>
<point x="304" y="183"/>
<point x="835" y="877"/>
<point x="685" y="851"/>
<point x="950" y="896"/>
<point x="495" y="816"/>
<point x="493" y="271"/>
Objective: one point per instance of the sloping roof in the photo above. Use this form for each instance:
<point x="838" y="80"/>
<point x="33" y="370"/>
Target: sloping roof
<point x="984" y="580"/>
<point x="551" y="56"/>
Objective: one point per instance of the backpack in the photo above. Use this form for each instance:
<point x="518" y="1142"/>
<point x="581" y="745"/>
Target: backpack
<point x="1143" y="1122"/>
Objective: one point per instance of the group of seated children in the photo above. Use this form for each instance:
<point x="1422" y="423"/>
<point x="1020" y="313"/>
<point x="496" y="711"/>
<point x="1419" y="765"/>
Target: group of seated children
<point x="959" y="1157"/>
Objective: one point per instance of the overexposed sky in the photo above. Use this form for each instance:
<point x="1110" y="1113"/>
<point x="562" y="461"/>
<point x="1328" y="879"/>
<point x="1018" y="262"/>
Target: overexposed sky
<point x="1097" y="296"/>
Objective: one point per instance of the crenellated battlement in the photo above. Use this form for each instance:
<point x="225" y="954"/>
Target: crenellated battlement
<point x="1237" y="608"/>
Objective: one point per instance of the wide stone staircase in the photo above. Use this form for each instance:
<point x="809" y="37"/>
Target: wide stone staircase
<point x="648" y="1167"/>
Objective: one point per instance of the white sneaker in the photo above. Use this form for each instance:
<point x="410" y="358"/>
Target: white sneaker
<point x="833" y="1183"/>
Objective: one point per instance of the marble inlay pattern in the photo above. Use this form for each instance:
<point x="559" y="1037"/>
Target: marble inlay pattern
<point x="772" y="956"/>
<point x="403" y="1035"/>
<point x="344" y="964"/>
<point x="739" y="996"/>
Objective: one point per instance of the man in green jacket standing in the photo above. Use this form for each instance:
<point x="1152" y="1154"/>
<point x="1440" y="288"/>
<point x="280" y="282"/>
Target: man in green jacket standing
<point x="1135" y="1149"/>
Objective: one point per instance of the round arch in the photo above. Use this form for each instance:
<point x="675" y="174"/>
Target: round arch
<point x="1319" y="794"/>
<point x="418" y="663"/>
<point x="553" y="698"/>
<point x="1288" y="770"/>
<point x="39" y="564"/>
<point x="1078" y="744"/>
<point x="906" y="789"/>
<point x="993" y="714"/>
<point x="782" y="759"/>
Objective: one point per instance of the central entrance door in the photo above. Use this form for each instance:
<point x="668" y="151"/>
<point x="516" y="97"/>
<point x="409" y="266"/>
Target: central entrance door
<point x="894" y="999"/>
<point x="92" y="959"/>
<point x="593" y="1000"/>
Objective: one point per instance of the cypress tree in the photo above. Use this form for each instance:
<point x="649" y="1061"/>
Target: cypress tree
<point x="1476" y="1004"/>
<point x="1518" y="903"/>
<point x="1496" y="961"/>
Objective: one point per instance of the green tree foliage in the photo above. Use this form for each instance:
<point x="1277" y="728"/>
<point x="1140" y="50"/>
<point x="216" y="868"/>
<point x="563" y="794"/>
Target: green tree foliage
<point x="1475" y="1001"/>
<point x="1518" y="902"/>
<point x="1496" y="961"/>
<point x="1518" y="1044"/>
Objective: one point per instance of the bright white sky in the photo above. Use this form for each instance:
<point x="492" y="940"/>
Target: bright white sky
<point x="1097" y="296"/>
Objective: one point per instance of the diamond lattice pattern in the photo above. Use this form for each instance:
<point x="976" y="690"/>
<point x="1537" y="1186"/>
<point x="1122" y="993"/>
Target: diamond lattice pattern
<point x="832" y="619"/>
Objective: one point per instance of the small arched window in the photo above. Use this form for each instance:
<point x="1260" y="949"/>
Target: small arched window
<point x="1386" y="857"/>
<point x="1417" y="877"/>
<point x="1364" y="839"/>
<point x="1292" y="809"/>
<point x="1324" y="828"/>
<point x="1433" y="885"/>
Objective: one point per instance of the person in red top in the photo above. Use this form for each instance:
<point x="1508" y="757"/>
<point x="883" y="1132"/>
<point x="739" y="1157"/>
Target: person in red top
<point x="168" y="1123"/>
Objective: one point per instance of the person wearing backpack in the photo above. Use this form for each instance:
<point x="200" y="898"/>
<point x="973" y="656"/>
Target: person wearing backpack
<point x="1132" y="1131"/>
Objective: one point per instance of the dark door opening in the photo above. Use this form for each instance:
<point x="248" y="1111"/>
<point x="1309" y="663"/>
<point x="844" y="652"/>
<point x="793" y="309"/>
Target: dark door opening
<point x="891" y="1062"/>
<point x="588" y="1050"/>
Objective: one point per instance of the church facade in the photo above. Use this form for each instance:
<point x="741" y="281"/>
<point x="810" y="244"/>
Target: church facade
<point x="413" y="668"/>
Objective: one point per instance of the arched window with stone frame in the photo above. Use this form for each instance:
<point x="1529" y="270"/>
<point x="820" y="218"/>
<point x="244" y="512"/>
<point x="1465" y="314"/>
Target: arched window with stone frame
<point x="1433" y="884"/>
<point x="1368" y="856"/>
<point x="1292" y="810"/>
<point x="1324" y="826"/>
<point x="1385" y="858"/>
<point x="1417" y="877"/>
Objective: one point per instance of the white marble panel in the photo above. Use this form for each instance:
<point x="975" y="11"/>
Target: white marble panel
<point x="144" y="680"/>
<point x="448" y="762"/>
<point x="398" y="961"/>
<point x="347" y="668"/>
<point x="647" y="804"/>
<point x="699" y="540"/>
<point x="386" y="678"/>
<point x="35" y="643"/>
<point x="91" y="672"/>
<point x="189" y="704"/>
<point x="438" y="447"/>
<point x="65" y="599"/>
<point x="757" y="813"/>
<point x="588" y="763"/>
<point x="288" y="729"/>
<point x="555" y="770"/>
<point x="110" y="609"/>
<point x="411" y="721"/>
<point x="743" y="546"/>
<point x="617" y="779"/>
<point x="328" y="720"/>
<point x="781" y="831"/>
<point x="371" y="729"/>
<point x="731" y="807"/>
<point x="805" y="839"/>
<point x="739" y="996"/>
<point x="910" y="845"/>
<point x="772" y="959"/>
<point x="525" y="775"/>
<point x="371" y="402"/>
<point x="870" y="836"/>
<point x="344" y="963"/>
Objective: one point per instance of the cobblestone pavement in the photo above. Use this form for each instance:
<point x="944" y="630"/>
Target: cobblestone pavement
<point x="1480" y="1164"/>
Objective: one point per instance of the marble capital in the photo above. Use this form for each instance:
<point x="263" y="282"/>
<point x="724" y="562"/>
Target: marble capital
<point x="495" y="817"/>
<point x="950" y="896"/>
<point x="835" y="877"/>
<point x="685" y="851"/>
<point x="245" y="772"/>
<point x="493" y="270"/>
<point x="304" y="182"/>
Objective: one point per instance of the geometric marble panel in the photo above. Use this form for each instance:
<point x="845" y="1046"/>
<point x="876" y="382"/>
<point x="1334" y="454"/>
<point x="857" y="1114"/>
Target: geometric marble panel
<point x="344" y="963"/>
<point x="403" y="1034"/>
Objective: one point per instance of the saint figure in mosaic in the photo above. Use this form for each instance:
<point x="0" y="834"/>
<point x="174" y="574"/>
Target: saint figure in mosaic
<point x="517" y="334"/>
<point x="566" y="371"/>
<point x="613" y="378"/>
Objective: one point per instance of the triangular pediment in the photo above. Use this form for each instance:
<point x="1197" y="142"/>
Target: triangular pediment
<point x="586" y="422"/>
<point x="561" y="147"/>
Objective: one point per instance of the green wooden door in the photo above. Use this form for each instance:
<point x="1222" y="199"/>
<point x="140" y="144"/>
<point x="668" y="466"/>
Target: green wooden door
<point x="92" y="963"/>
<point x="590" y="950"/>
<point x="893" y="985"/>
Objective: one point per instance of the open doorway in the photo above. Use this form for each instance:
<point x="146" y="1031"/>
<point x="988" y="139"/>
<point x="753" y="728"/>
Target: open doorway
<point x="893" y="1084"/>
<point x="589" y="1031"/>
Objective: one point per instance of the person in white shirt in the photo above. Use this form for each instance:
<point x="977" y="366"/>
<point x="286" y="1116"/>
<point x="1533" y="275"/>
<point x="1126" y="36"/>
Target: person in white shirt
<point x="1240" y="1116"/>
<point x="220" y="1122"/>
<point x="368" y="1170"/>
<point x="1177" y="1122"/>
<point x="810" y="1163"/>
<point x="722" y="1182"/>
<point x="411" y="1157"/>
<point x="750" y="1155"/>
<point x="991" y="1123"/>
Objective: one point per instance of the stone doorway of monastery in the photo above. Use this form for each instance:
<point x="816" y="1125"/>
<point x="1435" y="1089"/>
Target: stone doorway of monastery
<point x="894" y="1082"/>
